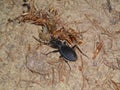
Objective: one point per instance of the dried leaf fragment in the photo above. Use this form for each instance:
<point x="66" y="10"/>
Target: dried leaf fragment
<point x="98" y="49"/>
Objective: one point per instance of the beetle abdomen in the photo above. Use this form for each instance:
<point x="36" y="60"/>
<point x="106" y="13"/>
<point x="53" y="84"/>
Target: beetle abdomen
<point x="68" y="53"/>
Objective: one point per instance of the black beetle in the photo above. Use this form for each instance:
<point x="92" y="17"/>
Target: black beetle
<point x="65" y="50"/>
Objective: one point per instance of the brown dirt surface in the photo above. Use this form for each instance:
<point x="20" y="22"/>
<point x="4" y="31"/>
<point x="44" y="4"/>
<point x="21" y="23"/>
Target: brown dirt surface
<point x="23" y="65"/>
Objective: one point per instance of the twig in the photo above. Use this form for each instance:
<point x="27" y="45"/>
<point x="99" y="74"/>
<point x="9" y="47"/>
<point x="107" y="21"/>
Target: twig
<point x="98" y="49"/>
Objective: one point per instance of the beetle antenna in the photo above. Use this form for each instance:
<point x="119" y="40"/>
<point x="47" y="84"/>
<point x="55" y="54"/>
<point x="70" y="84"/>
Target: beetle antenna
<point x="39" y="40"/>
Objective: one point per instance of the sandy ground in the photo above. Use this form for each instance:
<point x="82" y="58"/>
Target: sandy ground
<point x="23" y="67"/>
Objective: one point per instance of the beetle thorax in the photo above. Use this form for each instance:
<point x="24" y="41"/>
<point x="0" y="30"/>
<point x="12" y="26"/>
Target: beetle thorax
<point x="56" y="43"/>
<point x="59" y="44"/>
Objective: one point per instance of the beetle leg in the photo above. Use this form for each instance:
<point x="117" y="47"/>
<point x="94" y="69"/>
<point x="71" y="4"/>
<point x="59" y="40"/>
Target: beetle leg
<point x="52" y="52"/>
<point x="66" y="62"/>
<point x="80" y="50"/>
